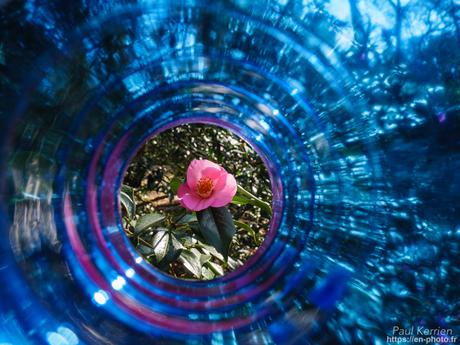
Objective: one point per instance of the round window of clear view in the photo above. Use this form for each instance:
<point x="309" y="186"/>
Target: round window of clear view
<point x="196" y="201"/>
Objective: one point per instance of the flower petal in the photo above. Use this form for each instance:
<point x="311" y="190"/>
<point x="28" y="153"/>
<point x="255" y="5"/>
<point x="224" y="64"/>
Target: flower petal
<point x="221" y="181"/>
<point x="190" y="201"/>
<point x="204" y="203"/>
<point x="182" y="190"/>
<point x="211" y="172"/>
<point x="226" y="194"/>
<point x="195" y="171"/>
<point x="195" y="203"/>
<point x="184" y="206"/>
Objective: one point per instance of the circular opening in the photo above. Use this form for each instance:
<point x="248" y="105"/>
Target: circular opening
<point x="196" y="201"/>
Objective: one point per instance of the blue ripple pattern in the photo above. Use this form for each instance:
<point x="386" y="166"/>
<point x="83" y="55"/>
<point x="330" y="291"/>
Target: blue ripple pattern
<point x="354" y="106"/>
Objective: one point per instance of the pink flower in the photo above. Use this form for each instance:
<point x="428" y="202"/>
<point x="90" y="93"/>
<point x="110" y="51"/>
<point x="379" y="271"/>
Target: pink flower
<point x="207" y="185"/>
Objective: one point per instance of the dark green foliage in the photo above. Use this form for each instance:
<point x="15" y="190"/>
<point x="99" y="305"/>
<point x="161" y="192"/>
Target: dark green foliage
<point x="217" y="228"/>
<point x="148" y="220"/>
<point x="189" y="245"/>
<point x="127" y="200"/>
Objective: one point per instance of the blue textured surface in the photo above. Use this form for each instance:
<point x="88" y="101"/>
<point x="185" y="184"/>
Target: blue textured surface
<point x="353" y="105"/>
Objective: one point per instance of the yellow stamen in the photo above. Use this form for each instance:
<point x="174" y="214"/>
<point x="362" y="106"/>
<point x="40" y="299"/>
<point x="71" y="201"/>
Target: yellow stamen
<point x="204" y="187"/>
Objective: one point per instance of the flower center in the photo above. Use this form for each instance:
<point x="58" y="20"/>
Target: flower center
<point x="204" y="187"/>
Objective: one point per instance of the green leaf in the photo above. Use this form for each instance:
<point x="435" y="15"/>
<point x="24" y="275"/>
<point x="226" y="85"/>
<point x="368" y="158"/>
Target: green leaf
<point x="160" y="244"/>
<point x="187" y="218"/>
<point x="188" y="241"/>
<point x="195" y="227"/>
<point x="174" y="184"/>
<point x="128" y="203"/>
<point x="196" y="252"/>
<point x="217" y="269"/>
<point x="127" y="197"/>
<point x="144" y="250"/>
<point x="207" y="273"/>
<point x="233" y="264"/>
<point x="240" y="200"/>
<point x="253" y="200"/>
<point x="204" y="258"/>
<point x="248" y="229"/>
<point x="191" y="262"/>
<point x="211" y="250"/>
<point x="148" y="221"/>
<point x="217" y="228"/>
<point x="174" y="250"/>
<point x="175" y="243"/>
<point x="127" y="189"/>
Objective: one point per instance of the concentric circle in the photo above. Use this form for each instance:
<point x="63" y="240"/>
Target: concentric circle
<point x="131" y="73"/>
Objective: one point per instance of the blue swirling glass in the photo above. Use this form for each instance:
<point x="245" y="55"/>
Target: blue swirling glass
<point x="352" y="105"/>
